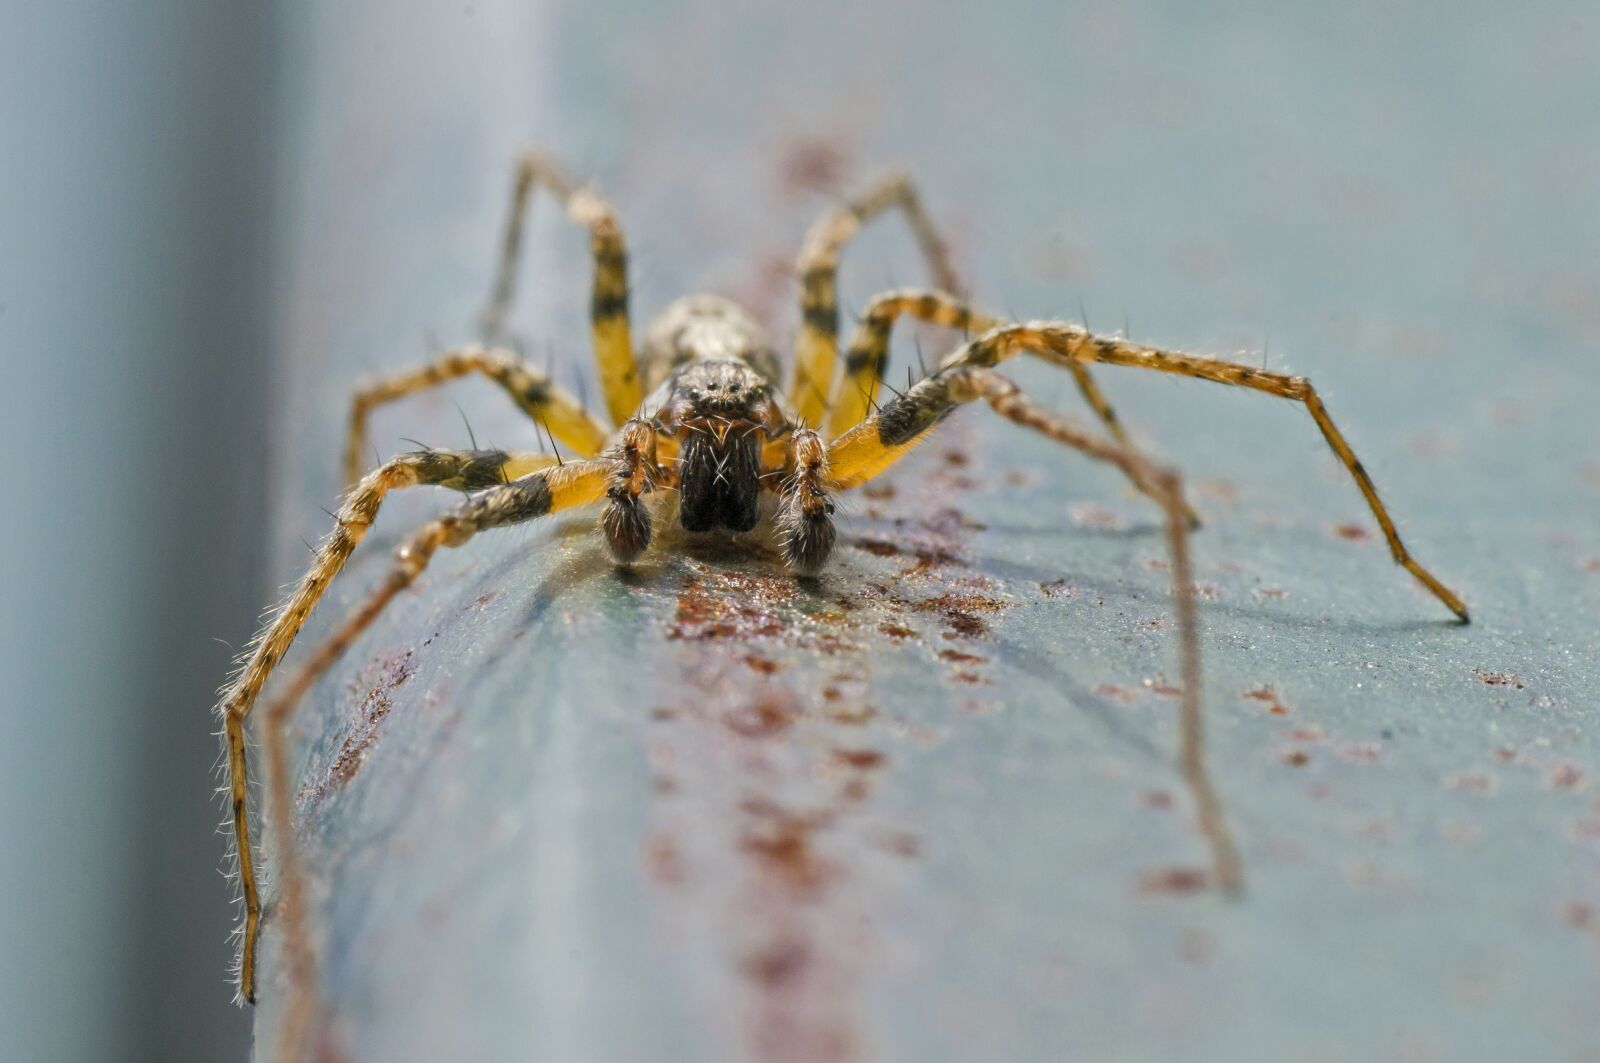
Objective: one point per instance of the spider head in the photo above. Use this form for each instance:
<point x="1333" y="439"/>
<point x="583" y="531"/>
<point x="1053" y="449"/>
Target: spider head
<point x="720" y="410"/>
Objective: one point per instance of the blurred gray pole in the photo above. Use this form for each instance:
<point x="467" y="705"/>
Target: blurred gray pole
<point x="133" y="283"/>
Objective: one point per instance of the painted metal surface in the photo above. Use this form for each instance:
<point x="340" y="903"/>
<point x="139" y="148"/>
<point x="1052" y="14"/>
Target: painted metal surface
<point x="927" y="809"/>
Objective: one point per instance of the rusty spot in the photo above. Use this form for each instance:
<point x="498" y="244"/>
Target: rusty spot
<point x="1360" y="752"/>
<point x="727" y="604"/>
<point x="1352" y="532"/>
<point x="764" y="665"/>
<point x="1498" y="679"/>
<point x="900" y="843"/>
<point x="1097" y="517"/>
<point x="1159" y="685"/>
<point x="878" y="547"/>
<point x="960" y="612"/>
<point x="957" y="657"/>
<point x="1156" y="799"/>
<point x="812" y="165"/>
<point x="863" y="759"/>
<point x="1564" y="775"/>
<point x="1269" y="698"/>
<point x="663" y="712"/>
<point x="1295" y="758"/>
<point x="393" y="671"/>
<point x="1115" y="692"/>
<point x="880" y="490"/>
<point x="763" y="719"/>
<point x="783" y="844"/>
<point x="854" y="716"/>
<point x="778" y="962"/>
<point x="897" y="631"/>
<point x="959" y="458"/>
<point x="1173" y="880"/>
<point x="971" y="678"/>
<point x="664" y="861"/>
<point x="1307" y="733"/>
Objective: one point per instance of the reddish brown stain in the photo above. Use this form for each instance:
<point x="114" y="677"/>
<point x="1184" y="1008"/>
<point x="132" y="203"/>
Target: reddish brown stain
<point x="1116" y="693"/>
<point x="1172" y="880"/>
<point x="763" y="719"/>
<point x="393" y="671"/>
<point x="1565" y="775"/>
<point x="812" y="165"/>
<point x="1156" y="799"/>
<point x="1354" y="533"/>
<point x="764" y="665"/>
<point x="897" y="631"/>
<point x="958" y="657"/>
<point x="1498" y="679"/>
<point x="1268" y="698"/>
<point x="854" y="716"/>
<point x="484" y="599"/>
<point x="1295" y="758"/>
<point x="778" y="962"/>
<point x="879" y="547"/>
<point x="970" y="678"/>
<point x="900" y="843"/>
<point x="783" y="844"/>
<point x="663" y="861"/>
<point x="1472" y="782"/>
<point x="862" y="759"/>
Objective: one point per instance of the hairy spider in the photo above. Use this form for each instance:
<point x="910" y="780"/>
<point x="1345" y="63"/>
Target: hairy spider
<point x="700" y="420"/>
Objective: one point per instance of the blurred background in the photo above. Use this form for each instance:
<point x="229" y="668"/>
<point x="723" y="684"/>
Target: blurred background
<point x="213" y="218"/>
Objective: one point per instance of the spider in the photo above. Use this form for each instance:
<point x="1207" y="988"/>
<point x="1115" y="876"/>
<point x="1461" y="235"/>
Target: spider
<point x="697" y="430"/>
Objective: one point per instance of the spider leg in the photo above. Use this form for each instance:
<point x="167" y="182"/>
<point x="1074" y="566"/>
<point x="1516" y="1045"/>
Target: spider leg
<point x="877" y="443"/>
<point x="463" y="470"/>
<point x="805" y="517"/>
<point x="560" y="414"/>
<point x="869" y="354"/>
<point x="818" y="345"/>
<point x="608" y="303"/>
<point x="535" y="495"/>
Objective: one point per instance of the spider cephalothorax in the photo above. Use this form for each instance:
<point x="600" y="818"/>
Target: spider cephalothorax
<point x="716" y="430"/>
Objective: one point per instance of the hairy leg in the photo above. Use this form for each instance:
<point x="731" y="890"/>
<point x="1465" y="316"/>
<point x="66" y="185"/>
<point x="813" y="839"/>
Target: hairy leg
<point x="864" y="453"/>
<point x="608" y="302"/>
<point x="463" y="470"/>
<point x="560" y="414"/>
<point x="869" y="353"/>
<point x="574" y="484"/>
<point x="818" y="346"/>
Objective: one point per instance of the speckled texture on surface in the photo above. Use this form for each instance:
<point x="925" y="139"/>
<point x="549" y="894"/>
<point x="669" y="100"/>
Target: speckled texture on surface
<point x="927" y="809"/>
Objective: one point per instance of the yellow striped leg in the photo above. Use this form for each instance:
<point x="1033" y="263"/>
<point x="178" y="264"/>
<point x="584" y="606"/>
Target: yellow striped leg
<point x="877" y="443"/>
<point x="462" y="470"/>
<point x="608" y="302"/>
<point x="869" y="355"/>
<point x="561" y="414"/>
<point x="818" y="345"/>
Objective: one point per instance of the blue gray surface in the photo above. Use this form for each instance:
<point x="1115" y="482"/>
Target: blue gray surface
<point x="596" y="817"/>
